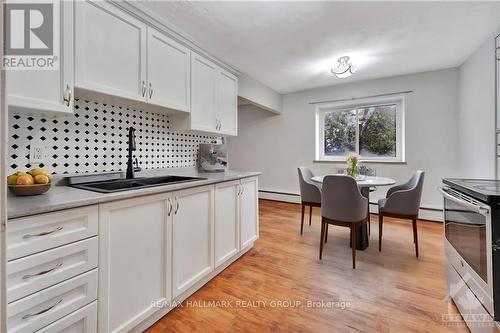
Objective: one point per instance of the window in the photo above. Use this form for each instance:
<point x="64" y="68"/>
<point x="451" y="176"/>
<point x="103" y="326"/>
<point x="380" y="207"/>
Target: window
<point x="373" y="129"/>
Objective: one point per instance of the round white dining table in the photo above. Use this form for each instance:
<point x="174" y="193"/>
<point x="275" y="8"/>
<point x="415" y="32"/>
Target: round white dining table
<point x="365" y="183"/>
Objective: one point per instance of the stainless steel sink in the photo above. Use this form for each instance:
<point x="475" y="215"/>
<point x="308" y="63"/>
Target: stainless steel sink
<point x="117" y="185"/>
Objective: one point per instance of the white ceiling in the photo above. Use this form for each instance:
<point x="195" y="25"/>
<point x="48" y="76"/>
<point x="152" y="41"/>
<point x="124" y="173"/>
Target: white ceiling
<point x="291" y="46"/>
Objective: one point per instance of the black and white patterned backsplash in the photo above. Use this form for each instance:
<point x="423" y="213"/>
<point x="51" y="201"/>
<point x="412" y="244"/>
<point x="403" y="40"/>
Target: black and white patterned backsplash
<point x="94" y="139"/>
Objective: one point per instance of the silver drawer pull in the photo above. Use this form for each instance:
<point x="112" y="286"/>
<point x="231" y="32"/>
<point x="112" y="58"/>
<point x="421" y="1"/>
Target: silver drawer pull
<point x="42" y="233"/>
<point x="28" y="276"/>
<point x="26" y="316"/>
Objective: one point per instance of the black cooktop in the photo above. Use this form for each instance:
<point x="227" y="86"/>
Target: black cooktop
<point x="487" y="190"/>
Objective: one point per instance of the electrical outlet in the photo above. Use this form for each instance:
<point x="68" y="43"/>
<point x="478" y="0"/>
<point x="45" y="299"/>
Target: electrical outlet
<point x="37" y="153"/>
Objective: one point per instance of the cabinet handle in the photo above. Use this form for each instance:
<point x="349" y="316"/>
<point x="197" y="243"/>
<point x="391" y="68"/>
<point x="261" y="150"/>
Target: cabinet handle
<point x="220" y="125"/>
<point x="177" y="205"/>
<point x="169" y="207"/>
<point x="26" y="316"/>
<point x="45" y="233"/>
<point x="28" y="276"/>
<point x="496" y="53"/>
<point x="150" y="90"/>
<point x="143" y="88"/>
<point x="67" y="95"/>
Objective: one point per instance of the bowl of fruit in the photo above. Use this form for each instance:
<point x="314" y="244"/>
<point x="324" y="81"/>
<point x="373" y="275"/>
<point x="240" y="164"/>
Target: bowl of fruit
<point x="34" y="182"/>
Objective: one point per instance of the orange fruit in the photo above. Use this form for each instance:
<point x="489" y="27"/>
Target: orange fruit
<point x="41" y="179"/>
<point x="25" y="180"/>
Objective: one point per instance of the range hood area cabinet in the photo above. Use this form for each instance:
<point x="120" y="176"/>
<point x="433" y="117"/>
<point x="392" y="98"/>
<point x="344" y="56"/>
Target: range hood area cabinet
<point x="214" y="100"/>
<point x="120" y="56"/>
<point x="46" y="92"/>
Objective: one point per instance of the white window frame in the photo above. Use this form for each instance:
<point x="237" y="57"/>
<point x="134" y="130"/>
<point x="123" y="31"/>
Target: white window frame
<point x="322" y="109"/>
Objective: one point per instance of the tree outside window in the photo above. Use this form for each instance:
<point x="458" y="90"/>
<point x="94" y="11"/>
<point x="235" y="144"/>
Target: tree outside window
<point x="370" y="131"/>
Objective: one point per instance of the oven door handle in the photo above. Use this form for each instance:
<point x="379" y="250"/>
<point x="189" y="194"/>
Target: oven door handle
<point x="474" y="208"/>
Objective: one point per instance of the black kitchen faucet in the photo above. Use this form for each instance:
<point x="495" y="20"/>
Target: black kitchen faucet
<point x="131" y="148"/>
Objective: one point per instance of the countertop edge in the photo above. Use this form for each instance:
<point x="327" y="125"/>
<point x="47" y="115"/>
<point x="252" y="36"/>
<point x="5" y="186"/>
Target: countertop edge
<point x="100" y="198"/>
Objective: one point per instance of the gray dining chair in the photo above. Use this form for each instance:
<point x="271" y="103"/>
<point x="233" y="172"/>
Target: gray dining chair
<point x="342" y="204"/>
<point x="310" y="194"/>
<point x="402" y="201"/>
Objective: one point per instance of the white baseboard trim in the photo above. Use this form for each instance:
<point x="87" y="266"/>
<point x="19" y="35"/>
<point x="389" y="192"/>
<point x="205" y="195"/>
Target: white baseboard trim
<point x="425" y="213"/>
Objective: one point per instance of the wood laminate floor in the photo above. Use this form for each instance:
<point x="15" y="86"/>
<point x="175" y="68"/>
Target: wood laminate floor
<point x="282" y="286"/>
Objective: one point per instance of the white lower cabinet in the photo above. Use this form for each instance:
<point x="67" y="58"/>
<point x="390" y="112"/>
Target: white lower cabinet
<point x="134" y="257"/>
<point x="249" y="212"/>
<point x="41" y="270"/>
<point x="146" y="252"/>
<point x="227" y="231"/>
<point x="36" y="311"/>
<point x="80" y="321"/>
<point x="192" y="232"/>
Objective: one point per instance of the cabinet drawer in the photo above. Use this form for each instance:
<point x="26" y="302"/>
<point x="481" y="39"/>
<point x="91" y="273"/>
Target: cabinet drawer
<point x="80" y="321"/>
<point x="38" y="310"/>
<point x="38" y="271"/>
<point x="37" y="233"/>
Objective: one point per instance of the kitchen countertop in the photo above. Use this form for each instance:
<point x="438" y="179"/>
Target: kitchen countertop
<point x="64" y="197"/>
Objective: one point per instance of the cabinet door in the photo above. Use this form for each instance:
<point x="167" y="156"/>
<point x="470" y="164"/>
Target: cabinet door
<point x="249" y="212"/>
<point x="227" y="103"/>
<point x="497" y="86"/>
<point x="227" y="232"/>
<point x="203" y="94"/>
<point x="192" y="237"/>
<point x="134" y="266"/>
<point x="110" y="50"/>
<point x="47" y="92"/>
<point x="168" y="72"/>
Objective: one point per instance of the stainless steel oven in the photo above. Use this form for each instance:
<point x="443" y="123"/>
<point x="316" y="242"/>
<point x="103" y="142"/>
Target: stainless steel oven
<point x="467" y="231"/>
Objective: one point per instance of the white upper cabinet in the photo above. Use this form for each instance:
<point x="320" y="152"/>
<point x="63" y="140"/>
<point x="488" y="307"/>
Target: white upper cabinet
<point x="203" y="94"/>
<point x="110" y="53"/>
<point x="47" y="92"/>
<point x="168" y="72"/>
<point x="227" y="110"/>
<point x="214" y="99"/>
<point x="249" y="212"/>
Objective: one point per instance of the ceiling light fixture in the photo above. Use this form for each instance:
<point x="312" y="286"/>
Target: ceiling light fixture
<point x="344" y="68"/>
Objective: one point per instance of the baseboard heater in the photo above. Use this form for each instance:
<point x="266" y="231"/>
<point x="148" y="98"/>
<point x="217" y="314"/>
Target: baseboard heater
<point x="298" y="199"/>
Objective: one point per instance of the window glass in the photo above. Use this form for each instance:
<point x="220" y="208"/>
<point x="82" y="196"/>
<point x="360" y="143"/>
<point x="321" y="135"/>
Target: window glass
<point x="340" y="132"/>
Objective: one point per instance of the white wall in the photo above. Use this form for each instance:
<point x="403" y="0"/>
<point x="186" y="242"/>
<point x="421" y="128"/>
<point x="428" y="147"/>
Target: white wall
<point x="277" y="145"/>
<point x="259" y="94"/>
<point x="477" y="112"/>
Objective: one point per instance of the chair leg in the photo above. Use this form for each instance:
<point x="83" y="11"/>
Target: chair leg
<point x="415" y="237"/>
<point x="302" y="222"/>
<point x="350" y="237"/>
<point x="368" y="233"/>
<point x="353" y="245"/>
<point x="380" y="224"/>
<point x="369" y="224"/>
<point x="310" y="214"/>
<point x="321" y="238"/>
<point x="326" y="232"/>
